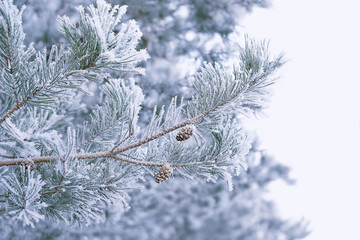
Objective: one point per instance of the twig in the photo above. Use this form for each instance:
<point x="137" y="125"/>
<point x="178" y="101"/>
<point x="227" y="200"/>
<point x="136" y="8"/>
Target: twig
<point x="48" y="192"/>
<point x="4" y="156"/>
<point x="90" y="139"/>
<point x="144" y="163"/>
<point x="108" y="154"/>
<point x="28" y="98"/>
<point x="121" y="142"/>
<point x="56" y="187"/>
<point x="166" y="131"/>
<point x="9" y="62"/>
<point x="14" y="109"/>
<point x="16" y="97"/>
<point x="141" y="163"/>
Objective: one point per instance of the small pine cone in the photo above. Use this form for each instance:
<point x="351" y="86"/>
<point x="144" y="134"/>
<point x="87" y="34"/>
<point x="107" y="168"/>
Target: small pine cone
<point x="163" y="174"/>
<point x="184" y="134"/>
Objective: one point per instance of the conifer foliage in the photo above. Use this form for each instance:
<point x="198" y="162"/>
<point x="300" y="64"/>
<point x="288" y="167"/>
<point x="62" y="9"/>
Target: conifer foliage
<point x="182" y="209"/>
<point x="53" y="168"/>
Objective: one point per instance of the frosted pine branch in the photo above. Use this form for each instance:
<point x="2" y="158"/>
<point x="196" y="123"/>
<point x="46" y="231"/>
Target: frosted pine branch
<point x="112" y="153"/>
<point x="53" y="76"/>
<point x="70" y="170"/>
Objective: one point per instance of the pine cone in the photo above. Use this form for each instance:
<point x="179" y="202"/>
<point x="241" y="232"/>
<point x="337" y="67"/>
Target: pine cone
<point x="163" y="174"/>
<point x="184" y="134"/>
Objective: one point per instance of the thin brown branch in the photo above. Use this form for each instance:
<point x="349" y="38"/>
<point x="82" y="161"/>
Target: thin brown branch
<point x="108" y="154"/>
<point x="4" y="156"/>
<point x="22" y="103"/>
<point x="140" y="163"/>
<point x="16" y="97"/>
<point x="6" y="140"/>
<point x="56" y="187"/>
<point x="14" y="109"/>
<point x="165" y="131"/>
<point x="155" y="164"/>
<point x="48" y="192"/>
<point x="25" y="161"/>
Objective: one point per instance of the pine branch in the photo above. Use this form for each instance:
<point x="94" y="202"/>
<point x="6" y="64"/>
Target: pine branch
<point x="91" y="52"/>
<point x="43" y="79"/>
<point x="34" y="94"/>
<point x="14" y="109"/>
<point x="165" y="131"/>
<point x="110" y="154"/>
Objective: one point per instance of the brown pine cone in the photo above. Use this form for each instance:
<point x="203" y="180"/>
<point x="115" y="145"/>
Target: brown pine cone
<point x="163" y="174"/>
<point x="184" y="134"/>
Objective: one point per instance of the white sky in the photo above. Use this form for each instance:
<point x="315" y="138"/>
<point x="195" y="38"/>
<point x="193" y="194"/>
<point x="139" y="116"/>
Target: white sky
<point x="313" y="123"/>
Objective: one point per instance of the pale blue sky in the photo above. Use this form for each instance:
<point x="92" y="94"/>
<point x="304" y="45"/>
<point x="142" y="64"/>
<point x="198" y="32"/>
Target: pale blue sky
<point x="313" y="123"/>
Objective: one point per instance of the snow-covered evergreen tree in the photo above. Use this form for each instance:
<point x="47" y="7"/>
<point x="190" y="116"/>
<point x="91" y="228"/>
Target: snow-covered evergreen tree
<point x="72" y="148"/>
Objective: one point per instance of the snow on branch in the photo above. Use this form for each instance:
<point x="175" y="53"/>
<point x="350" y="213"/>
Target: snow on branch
<point x="241" y="91"/>
<point x="70" y="173"/>
<point x="93" y="40"/>
<point x="51" y="77"/>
